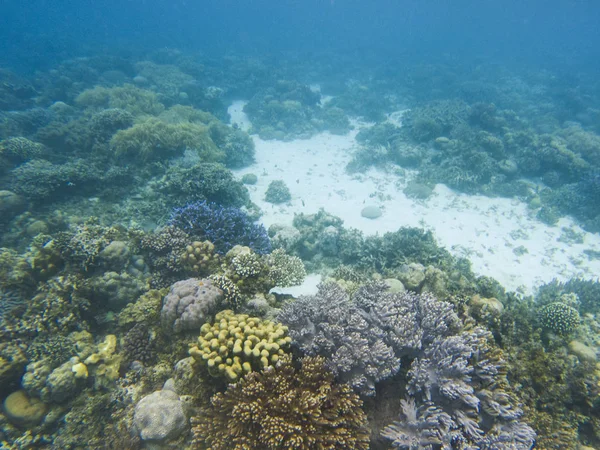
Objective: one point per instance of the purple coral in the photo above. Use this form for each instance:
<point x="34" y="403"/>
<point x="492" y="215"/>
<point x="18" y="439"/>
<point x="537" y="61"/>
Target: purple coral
<point x="189" y="304"/>
<point x="328" y="325"/>
<point x="420" y="427"/>
<point x="225" y="227"/>
<point x="456" y="375"/>
<point x="453" y="380"/>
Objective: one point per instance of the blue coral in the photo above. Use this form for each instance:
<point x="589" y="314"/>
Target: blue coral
<point x="225" y="227"/>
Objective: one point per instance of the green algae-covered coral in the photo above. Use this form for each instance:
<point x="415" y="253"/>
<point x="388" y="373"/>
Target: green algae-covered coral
<point x="278" y="192"/>
<point x="237" y="344"/>
<point x="146" y="309"/>
<point x="127" y="97"/>
<point x="20" y="149"/>
<point x="155" y="139"/>
<point x="284" y="408"/>
<point x="559" y="318"/>
<point x="285" y="270"/>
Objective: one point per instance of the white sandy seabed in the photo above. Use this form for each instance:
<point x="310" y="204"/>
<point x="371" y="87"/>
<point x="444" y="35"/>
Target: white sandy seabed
<point x="490" y="232"/>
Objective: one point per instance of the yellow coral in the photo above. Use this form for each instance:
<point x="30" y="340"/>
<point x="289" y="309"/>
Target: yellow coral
<point x="80" y="370"/>
<point x="24" y="410"/>
<point x="104" y="364"/>
<point x="237" y="344"/>
<point x="198" y="256"/>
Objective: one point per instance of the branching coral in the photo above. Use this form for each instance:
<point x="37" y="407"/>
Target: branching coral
<point x="224" y="227"/>
<point x="285" y="270"/>
<point x="284" y="408"/>
<point x="455" y="380"/>
<point x="329" y="325"/>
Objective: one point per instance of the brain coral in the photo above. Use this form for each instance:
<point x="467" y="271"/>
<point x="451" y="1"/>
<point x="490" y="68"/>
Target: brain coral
<point x="189" y="304"/>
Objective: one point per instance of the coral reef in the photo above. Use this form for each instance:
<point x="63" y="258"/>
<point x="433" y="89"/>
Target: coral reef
<point x="154" y="139"/>
<point x="81" y="246"/>
<point x="235" y="143"/>
<point x="20" y="149"/>
<point x="128" y="97"/>
<point x="210" y="182"/>
<point x="284" y="408"/>
<point x="364" y="337"/>
<point x="285" y="111"/>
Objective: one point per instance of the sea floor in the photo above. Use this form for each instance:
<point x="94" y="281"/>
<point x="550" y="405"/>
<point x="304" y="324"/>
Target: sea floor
<point x="501" y="237"/>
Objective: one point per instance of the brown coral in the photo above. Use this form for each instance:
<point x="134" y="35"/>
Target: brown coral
<point x="284" y="408"/>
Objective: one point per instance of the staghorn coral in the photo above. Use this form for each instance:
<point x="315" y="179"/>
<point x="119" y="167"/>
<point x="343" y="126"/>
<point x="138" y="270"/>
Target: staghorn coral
<point x="225" y="227"/>
<point x="237" y="344"/>
<point x="284" y="408"/>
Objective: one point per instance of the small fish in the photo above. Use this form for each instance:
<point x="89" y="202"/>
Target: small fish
<point x="302" y="202"/>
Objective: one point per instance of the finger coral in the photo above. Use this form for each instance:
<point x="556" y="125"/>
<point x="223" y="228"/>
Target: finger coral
<point x="284" y="408"/>
<point x="237" y="344"/>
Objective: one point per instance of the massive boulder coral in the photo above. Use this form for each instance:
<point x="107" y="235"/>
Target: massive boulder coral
<point x="189" y="304"/>
<point x="284" y="408"/>
<point x="160" y="417"/>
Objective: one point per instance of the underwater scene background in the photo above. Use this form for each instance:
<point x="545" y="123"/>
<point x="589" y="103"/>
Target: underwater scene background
<point x="319" y="224"/>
